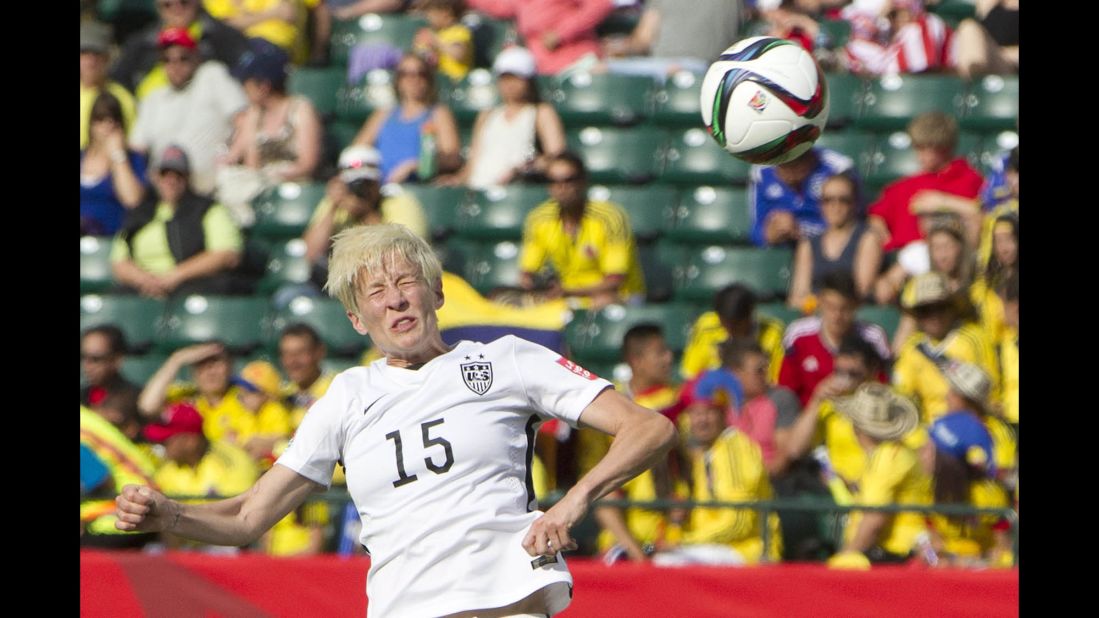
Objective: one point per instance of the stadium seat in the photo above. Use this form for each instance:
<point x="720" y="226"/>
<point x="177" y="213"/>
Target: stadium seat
<point x="474" y="94"/>
<point x="708" y="269"/>
<point x="651" y="208"/>
<point x="95" y="264"/>
<point x="338" y="135"/>
<point x="602" y="98"/>
<point x="886" y="316"/>
<point x="834" y="32"/>
<point x="616" y="155"/>
<point x="895" y="158"/>
<point x="779" y="311"/>
<point x="892" y="101"/>
<point x="236" y="321"/>
<point x="498" y="213"/>
<point x="327" y="317"/>
<point x="661" y="264"/>
<point x="493" y="265"/>
<point x="336" y="365"/>
<point x="621" y="21"/>
<point x="287" y="265"/>
<point x="953" y="11"/>
<point x="712" y="215"/>
<point x="993" y="147"/>
<point x="597" y="335"/>
<point x="441" y="206"/>
<point x="695" y="158"/>
<point x="138" y="369"/>
<point x="676" y="104"/>
<point x="283" y="212"/>
<point x="136" y="316"/>
<point x="393" y="29"/>
<point x="992" y="104"/>
<point x="855" y="144"/>
<point x="455" y="253"/>
<point x="355" y="102"/>
<point x="845" y="95"/>
<point x="490" y="36"/>
<point x="319" y="85"/>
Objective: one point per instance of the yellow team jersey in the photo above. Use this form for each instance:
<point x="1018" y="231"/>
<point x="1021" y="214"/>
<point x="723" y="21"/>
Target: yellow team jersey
<point x="837" y="434"/>
<point x="1004" y="445"/>
<point x="990" y="308"/>
<point x="917" y="377"/>
<point x="1009" y="368"/>
<point x="127" y="464"/>
<point x="401" y="208"/>
<point x="452" y="66"/>
<point x="282" y="33"/>
<point x="87" y="99"/>
<point x="732" y="470"/>
<point x="972" y="536"/>
<point x="707" y="332"/>
<point x="225" y="470"/>
<point x="603" y="246"/>
<point x="230" y="421"/>
<point x="893" y="475"/>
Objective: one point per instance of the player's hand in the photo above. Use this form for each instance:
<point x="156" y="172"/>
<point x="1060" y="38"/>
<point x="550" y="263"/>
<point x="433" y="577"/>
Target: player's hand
<point x="143" y="509"/>
<point x="549" y="533"/>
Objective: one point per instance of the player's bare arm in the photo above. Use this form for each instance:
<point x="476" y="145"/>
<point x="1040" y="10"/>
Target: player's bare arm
<point x="235" y="521"/>
<point x="642" y="438"/>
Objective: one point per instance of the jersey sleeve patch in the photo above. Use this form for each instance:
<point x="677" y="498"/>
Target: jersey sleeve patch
<point x="577" y="369"/>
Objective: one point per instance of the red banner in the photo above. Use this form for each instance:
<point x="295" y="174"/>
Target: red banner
<point x="122" y="584"/>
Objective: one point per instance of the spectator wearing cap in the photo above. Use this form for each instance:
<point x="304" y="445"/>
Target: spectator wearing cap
<point x="733" y="317"/>
<point x="140" y="65"/>
<point x="560" y="33"/>
<point x="177" y="242"/>
<point x="893" y="475"/>
<point x="112" y="176"/>
<point x="196" y="466"/>
<point x="278" y="22"/>
<point x="355" y="197"/>
<point x="726" y="465"/>
<point x="514" y="139"/>
<point x="399" y="132"/>
<point x="969" y="388"/>
<point x="946" y="329"/>
<point x="95" y="48"/>
<point x="195" y="111"/>
<point x="811" y="342"/>
<point x="257" y="420"/>
<point x="278" y="137"/>
<point x="959" y="459"/>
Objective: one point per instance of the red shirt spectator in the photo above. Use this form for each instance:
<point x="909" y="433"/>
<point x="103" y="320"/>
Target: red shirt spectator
<point x="557" y="32"/>
<point x="809" y="357"/>
<point x="957" y="178"/>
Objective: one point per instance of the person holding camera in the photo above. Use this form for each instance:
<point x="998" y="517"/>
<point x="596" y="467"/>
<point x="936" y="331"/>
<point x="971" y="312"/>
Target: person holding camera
<point x="355" y="197"/>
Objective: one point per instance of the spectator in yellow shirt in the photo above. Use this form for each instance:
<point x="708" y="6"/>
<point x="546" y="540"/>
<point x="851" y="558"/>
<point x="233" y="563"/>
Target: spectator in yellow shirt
<point x="447" y="43"/>
<point x="969" y="388"/>
<point x="733" y="316"/>
<point x="1009" y="350"/>
<point x="588" y="243"/>
<point x="893" y="476"/>
<point x="261" y="420"/>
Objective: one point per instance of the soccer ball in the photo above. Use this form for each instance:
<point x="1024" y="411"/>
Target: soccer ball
<point x="765" y="100"/>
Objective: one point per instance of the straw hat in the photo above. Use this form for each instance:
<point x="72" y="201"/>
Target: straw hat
<point x="879" y="412"/>
<point x="969" y="380"/>
<point x="926" y="289"/>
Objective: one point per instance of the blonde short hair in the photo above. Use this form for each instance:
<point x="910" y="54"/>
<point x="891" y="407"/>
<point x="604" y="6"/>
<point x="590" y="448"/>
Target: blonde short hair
<point x="935" y="130"/>
<point x="369" y="247"/>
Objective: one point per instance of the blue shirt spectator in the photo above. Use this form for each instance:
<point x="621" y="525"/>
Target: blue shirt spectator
<point x="794" y="187"/>
<point x="101" y="212"/>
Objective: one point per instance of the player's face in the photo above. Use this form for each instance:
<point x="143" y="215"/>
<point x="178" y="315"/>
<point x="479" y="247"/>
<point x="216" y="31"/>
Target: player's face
<point x="653" y="361"/>
<point x="837" y="313"/>
<point x="397" y="310"/>
<point x="300" y="359"/>
<point x="96" y="359"/>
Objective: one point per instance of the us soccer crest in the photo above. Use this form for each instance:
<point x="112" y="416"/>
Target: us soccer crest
<point x="477" y="376"/>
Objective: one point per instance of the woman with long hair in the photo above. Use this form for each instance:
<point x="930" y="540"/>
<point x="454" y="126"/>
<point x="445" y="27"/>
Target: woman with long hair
<point x="112" y="177"/>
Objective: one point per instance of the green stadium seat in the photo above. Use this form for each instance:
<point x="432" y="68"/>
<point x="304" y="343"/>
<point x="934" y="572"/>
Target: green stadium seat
<point x="621" y="21"/>
<point x="498" y="213"/>
<point x="953" y="11"/>
<point x="490" y="36"/>
<point x="138" y="369"/>
<point x="993" y="147"/>
<point x="319" y="85"/>
<point x="338" y="135"/>
<point x="455" y="253"/>
<point x="886" y="316"/>
<point x="708" y="269"/>
<point x="779" y="311"/>
<point x="616" y="155"/>
<point x="855" y="144"/>
<point x="695" y="158"/>
<point x="661" y="264"/>
<point x="287" y="265"/>
<point x="602" y="99"/>
<point x="474" y="94"/>
<point x="394" y="29"/>
<point x="493" y="265"/>
<point x="676" y="103"/>
<point x="336" y="365"/>
<point x="95" y="264"/>
<point x="992" y="104"/>
<point x="712" y="215"/>
<point x="355" y="102"/>
<point x="845" y="95"/>
<point x="136" y="316"/>
<point x="835" y="32"/>
<point x="651" y="208"/>
<point x="895" y="158"/>
<point x="597" y="335"/>
<point x="327" y="317"/>
<point x="283" y="212"/>
<point x="441" y="206"/>
<point x="892" y="101"/>
<point x="236" y="321"/>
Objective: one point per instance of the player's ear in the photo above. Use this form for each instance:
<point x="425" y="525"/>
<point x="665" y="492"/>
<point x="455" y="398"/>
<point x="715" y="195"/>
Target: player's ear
<point x="356" y="323"/>
<point x="439" y="298"/>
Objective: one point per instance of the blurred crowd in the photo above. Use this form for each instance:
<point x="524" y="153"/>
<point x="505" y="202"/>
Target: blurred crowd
<point x="188" y="116"/>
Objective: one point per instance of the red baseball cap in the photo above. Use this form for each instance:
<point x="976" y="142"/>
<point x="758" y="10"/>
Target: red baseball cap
<point x="176" y="36"/>
<point x="180" y="417"/>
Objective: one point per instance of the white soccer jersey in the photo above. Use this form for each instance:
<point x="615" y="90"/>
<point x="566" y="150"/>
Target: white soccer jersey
<point x="438" y="466"/>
